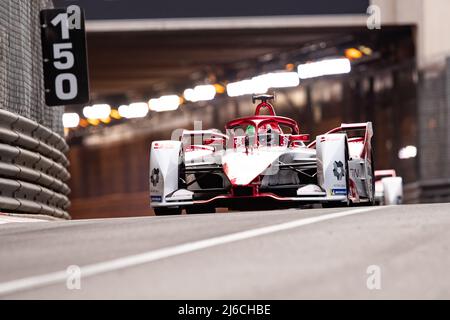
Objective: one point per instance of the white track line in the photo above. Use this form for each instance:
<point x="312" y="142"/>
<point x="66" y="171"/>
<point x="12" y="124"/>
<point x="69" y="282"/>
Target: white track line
<point x="150" y="256"/>
<point x="11" y="219"/>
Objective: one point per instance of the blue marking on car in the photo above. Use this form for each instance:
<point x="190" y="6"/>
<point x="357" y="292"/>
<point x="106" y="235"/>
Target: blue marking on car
<point x="337" y="192"/>
<point x="156" y="198"/>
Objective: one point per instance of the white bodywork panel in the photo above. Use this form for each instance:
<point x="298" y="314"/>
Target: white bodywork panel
<point x="392" y="190"/>
<point x="360" y="176"/>
<point x="355" y="149"/>
<point x="290" y="156"/>
<point x="202" y="156"/>
<point x="331" y="168"/>
<point x="310" y="190"/>
<point x="164" y="164"/>
<point x="241" y="167"/>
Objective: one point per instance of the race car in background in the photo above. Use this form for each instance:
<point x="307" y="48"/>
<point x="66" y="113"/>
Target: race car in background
<point x="388" y="187"/>
<point x="262" y="161"/>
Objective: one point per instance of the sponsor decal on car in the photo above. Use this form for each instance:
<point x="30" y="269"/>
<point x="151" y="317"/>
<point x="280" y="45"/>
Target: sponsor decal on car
<point x="330" y="138"/>
<point x="338" y="170"/>
<point x="338" y="192"/>
<point x="156" y="198"/>
<point x="163" y="145"/>
<point x="154" y="177"/>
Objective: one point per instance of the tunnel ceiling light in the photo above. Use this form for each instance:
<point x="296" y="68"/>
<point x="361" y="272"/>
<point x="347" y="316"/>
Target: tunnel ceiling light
<point x="366" y="50"/>
<point x="115" y="114"/>
<point x="134" y="110"/>
<point x="249" y="86"/>
<point x="323" y="68"/>
<point x="97" y="111"/>
<point x="93" y="122"/>
<point x="290" y="67"/>
<point x="262" y="83"/>
<point x="84" y="123"/>
<point x="278" y="79"/>
<point x="165" y="103"/>
<point x="353" y="54"/>
<point x="219" y="88"/>
<point x="200" y="93"/>
<point x="407" y="152"/>
<point x="70" y="120"/>
<point x="106" y="120"/>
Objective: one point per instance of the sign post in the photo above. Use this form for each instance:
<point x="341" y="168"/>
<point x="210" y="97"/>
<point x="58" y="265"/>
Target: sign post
<point x="64" y="56"/>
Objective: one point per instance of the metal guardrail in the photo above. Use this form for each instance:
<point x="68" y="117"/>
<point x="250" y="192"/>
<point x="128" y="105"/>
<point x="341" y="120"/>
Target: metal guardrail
<point x="427" y="191"/>
<point x="33" y="168"/>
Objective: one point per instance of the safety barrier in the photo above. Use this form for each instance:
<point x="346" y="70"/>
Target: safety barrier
<point x="427" y="191"/>
<point x="33" y="168"/>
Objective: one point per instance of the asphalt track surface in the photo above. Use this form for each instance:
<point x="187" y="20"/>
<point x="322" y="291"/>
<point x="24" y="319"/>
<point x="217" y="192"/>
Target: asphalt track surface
<point x="281" y="254"/>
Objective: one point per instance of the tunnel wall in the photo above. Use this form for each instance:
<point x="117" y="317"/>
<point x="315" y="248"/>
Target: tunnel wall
<point x="33" y="167"/>
<point x="434" y="138"/>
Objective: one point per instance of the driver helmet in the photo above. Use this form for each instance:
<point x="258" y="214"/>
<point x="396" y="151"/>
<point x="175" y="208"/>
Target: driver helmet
<point x="250" y="130"/>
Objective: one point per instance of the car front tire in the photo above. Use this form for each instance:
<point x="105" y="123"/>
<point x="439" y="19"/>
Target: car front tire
<point x="200" y="209"/>
<point x="167" y="211"/>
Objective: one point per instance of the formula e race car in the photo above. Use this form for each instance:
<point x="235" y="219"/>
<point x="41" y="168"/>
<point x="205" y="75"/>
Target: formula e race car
<point x="388" y="187"/>
<point x="262" y="161"/>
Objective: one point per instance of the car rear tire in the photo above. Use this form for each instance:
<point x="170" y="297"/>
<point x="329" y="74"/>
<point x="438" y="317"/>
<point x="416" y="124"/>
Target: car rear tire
<point x="167" y="211"/>
<point x="335" y="204"/>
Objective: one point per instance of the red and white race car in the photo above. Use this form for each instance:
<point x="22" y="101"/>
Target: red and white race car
<point x="261" y="161"/>
<point x="388" y="187"/>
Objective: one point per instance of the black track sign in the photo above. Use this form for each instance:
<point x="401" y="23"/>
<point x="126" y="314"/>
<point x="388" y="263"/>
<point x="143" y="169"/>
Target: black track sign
<point x="64" y="56"/>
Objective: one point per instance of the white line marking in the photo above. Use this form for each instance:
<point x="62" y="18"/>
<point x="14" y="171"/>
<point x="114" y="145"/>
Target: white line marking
<point x="150" y="256"/>
<point x="11" y="219"/>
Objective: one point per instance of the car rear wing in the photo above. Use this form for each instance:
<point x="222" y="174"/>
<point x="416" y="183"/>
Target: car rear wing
<point x="347" y="127"/>
<point x="366" y="127"/>
<point x="385" y="173"/>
